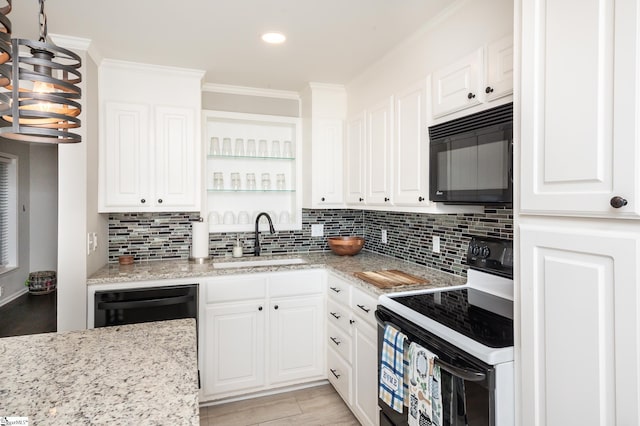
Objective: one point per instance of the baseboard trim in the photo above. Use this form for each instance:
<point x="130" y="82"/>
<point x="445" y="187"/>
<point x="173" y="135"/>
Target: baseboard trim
<point x="267" y="392"/>
<point x="14" y="296"/>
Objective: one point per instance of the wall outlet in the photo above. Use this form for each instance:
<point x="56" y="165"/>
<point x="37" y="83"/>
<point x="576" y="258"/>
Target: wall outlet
<point x="317" y="230"/>
<point x="89" y="243"/>
<point x="436" y="244"/>
<point x="94" y="246"/>
<point x="1" y="290"/>
<point x="383" y="236"/>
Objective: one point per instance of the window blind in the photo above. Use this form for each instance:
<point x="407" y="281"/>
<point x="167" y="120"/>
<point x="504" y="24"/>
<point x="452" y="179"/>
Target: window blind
<point x="4" y="211"/>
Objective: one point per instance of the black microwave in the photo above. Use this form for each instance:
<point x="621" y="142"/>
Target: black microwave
<point x="471" y="158"/>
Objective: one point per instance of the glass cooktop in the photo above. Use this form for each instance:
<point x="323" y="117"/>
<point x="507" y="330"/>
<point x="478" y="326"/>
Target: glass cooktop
<point x="481" y="316"/>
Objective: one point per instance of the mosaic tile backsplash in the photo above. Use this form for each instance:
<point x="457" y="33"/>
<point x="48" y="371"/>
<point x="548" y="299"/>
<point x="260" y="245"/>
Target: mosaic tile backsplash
<point x="155" y="236"/>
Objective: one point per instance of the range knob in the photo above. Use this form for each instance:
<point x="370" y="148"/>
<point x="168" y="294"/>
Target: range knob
<point x="485" y="252"/>
<point x="475" y="250"/>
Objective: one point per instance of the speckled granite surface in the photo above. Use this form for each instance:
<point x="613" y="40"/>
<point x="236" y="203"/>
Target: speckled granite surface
<point x="143" y="374"/>
<point x="344" y="266"/>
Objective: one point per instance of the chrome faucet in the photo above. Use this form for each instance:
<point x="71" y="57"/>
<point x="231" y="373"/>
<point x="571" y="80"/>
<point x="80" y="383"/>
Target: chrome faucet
<point x="256" y="251"/>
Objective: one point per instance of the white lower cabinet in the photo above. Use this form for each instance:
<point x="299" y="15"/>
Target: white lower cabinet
<point x="352" y="348"/>
<point x="261" y="331"/>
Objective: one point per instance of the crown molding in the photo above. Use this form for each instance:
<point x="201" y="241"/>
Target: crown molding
<point x="250" y="91"/>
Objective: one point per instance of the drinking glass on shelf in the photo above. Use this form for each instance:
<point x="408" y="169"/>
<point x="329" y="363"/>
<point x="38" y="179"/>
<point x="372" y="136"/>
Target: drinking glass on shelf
<point x="266" y="181"/>
<point x="251" y="147"/>
<point x="274" y="217"/>
<point x="285" y="218"/>
<point x="262" y="148"/>
<point x="235" y="181"/>
<point x="218" y="181"/>
<point x="239" y="151"/>
<point x="214" y="146"/>
<point x="275" y="149"/>
<point x="251" y="181"/>
<point x="214" y="218"/>
<point x="280" y="184"/>
<point x="287" y="150"/>
<point x="243" y="217"/>
<point x="226" y="146"/>
<point x="229" y="218"/>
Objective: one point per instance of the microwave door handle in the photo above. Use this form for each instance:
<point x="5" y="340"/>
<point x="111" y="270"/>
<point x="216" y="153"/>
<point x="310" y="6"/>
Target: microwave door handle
<point x="164" y="301"/>
<point x="463" y="373"/>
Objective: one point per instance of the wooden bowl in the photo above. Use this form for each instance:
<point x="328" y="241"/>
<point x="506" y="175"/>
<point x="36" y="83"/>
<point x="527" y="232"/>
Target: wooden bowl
<point x="125" y="260"/>
<point x="346" y="246"/>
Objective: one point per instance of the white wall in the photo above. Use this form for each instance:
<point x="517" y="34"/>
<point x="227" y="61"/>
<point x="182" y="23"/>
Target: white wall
<point x="13" y="282"/>
<point x="466" y="26"/>
<point x="43" y="196"/>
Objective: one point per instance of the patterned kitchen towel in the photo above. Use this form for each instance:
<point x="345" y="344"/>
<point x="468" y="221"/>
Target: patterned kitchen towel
<point x="392" y="368"/>
<point x="425" y="399"/>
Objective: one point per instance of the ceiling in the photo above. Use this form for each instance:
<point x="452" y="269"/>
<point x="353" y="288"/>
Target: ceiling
<point x="328" y="41"/>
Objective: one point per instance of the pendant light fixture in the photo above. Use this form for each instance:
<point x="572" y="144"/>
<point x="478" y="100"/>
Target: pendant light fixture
<point x="44" y="94"/>
<point x="5" y="57"/>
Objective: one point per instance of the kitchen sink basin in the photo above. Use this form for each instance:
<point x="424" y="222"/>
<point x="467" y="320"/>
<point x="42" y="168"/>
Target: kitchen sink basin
<point x="262" y="262"/>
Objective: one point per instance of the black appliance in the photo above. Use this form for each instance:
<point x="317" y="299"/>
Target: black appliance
<point x="130" y="306"/>
<point x="471" y="158"/>
<point x="470" y="329"/>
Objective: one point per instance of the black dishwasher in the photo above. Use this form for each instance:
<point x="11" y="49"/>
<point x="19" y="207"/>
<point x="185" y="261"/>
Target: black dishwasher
<point x="130" y="306"/>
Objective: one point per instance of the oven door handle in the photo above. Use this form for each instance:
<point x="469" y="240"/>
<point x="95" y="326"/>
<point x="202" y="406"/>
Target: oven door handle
<point x="132" y="304"/>
<point x="463" y="373"/>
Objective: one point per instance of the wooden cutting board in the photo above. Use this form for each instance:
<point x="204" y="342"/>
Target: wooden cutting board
<point x="389" y="278"/>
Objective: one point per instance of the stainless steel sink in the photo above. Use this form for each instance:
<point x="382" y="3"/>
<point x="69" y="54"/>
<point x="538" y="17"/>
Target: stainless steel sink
<point x="261" y="262"/>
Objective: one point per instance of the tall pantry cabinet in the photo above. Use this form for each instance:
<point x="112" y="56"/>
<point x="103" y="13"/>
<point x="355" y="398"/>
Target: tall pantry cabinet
<point x="578" y="296"/>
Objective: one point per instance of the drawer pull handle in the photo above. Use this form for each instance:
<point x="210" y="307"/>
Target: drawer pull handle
<point x="364" y="308"/>
<point x="334" y="340"/>
<point x="334" y="373"/>
<point x="336" y="289"/>
<point x="335" y="315"/>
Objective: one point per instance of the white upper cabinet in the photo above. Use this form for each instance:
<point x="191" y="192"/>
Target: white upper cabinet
<point x="580" y="88"/>
<point x="149" y="150"/>
<point x="411" y="149"/>
<point x="355" y="164"/>
<point x="323" y="112"/>
<point x="499" y="69"/>
<point x="458" y="85"/>
<point x="379" y="151"/>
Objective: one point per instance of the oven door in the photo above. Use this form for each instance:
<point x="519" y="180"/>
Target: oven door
<point x="468" y="384"/>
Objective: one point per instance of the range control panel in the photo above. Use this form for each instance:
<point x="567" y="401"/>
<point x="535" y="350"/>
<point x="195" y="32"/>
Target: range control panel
<point x="492" y="255"/>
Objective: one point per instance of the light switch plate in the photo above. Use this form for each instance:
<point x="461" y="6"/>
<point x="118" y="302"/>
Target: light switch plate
<point x="383" y="236"/>
<point x="317" y="230"/>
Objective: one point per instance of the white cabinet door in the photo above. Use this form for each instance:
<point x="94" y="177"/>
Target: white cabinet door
<point x="365" y="373"/>
<point x="234" y="347"/>
<point x="177" y="159"/>
<point x="124" y="174"/>
<point x="327" y="150"/>
<point x="296" y="339"/>
<point x="457" y="86"/>
<point x="579" y="88"/>
<point x="579" y="325"/>
<point x="379" y="133"/>
<point x="499" y="68"/>
<point x="355" y="160"/>
<point x="411" y="165"/>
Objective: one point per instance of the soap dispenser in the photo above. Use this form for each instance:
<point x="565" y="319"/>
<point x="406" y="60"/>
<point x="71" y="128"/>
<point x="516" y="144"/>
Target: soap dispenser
<point x="237" y="248"/>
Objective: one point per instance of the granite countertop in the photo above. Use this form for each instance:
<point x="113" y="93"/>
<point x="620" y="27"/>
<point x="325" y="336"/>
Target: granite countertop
<point x="130" y="374"/>
<point x="343" y="266"/>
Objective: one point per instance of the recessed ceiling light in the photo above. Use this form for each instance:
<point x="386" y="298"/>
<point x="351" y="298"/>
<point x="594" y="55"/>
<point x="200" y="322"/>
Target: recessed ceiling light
<point x="273" y="38"/>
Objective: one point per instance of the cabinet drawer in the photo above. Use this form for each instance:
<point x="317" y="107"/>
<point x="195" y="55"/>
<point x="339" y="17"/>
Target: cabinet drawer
<point x="295" y="283"/>
<point x="338" y="290"/>
<point x="339" y="341"/>
<point x="364" y="305"/>
<point x="339" y="316"/>
<point x="235" y="287"/>
<point x="339" y="374"/>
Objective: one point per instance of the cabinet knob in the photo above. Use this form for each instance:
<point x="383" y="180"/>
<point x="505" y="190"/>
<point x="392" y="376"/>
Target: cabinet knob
<point x="322" y="199"/>
<point x="361" y="199"/>
<point x="143" y="201"/>
<point x="259" y="308"/>
<point x="159" y="200"/>
<point x="420" y="199"/>
<point x="617" y="202"/>
<point x="351" y="322"/>
<point x="488" y="90"/>
<point x="386" y="199"/>
<point x="471" y="95"/>
<point x="275" y="307"/>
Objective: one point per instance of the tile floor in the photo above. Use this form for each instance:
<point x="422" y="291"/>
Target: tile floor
<point x="320" y="405"/>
